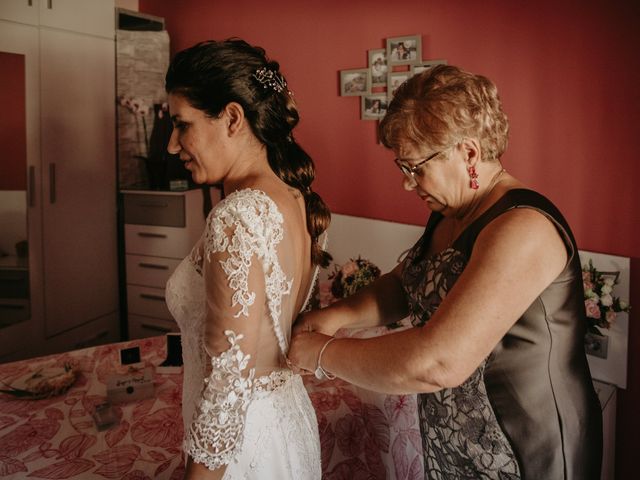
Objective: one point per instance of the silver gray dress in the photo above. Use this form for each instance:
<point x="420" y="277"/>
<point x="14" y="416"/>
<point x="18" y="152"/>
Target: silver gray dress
<point x="529" y="410"/>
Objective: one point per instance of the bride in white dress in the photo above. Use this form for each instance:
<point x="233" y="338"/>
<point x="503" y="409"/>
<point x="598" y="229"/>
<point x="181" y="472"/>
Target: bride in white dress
<point x="246" y="415"/>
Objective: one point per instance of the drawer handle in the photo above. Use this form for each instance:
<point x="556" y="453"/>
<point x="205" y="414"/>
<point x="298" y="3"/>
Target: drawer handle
<point x="150" y="296"/>
<point x="155" y="328"/>
<point x="155" y="205"/>
<point x="152" y="235"/>
<point x="52" y="183"/>
<point x="90" y="341"/>
<point x="11" y="306"/>
<point x="153" y="265"/>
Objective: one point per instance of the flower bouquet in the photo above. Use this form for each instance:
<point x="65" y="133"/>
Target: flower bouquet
<point x="601" y="304"/>
<point x="352" y="276"/>
<point x="347" y="279"/>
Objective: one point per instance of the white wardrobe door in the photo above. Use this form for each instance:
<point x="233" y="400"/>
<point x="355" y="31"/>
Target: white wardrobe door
<point x="78" y="153"/>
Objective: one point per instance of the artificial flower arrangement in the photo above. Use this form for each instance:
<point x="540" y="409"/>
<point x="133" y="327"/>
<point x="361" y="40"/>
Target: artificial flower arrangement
<point x="347" y="279"/>
<point x="352" y="276"/>
<point x="154" y="153"/>
<point x="601" y="304"/>
<point x="139" y="109"/>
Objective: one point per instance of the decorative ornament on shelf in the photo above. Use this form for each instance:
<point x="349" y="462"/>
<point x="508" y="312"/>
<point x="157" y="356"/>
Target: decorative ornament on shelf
<point x="140" y="110"/>
<point x="601" y="304"/>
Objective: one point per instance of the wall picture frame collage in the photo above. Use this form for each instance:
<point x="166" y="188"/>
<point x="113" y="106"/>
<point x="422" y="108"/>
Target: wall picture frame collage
<point x="387" y="68"/>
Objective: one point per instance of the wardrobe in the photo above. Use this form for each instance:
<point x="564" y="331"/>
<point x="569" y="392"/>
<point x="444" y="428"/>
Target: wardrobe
<point x="67" y="51"/>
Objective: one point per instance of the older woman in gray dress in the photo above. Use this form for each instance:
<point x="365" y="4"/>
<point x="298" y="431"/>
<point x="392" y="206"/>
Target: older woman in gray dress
<point x="493" y="289"/>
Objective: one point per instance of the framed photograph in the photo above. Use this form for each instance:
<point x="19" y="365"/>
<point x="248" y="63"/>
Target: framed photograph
<point x="426" y="65"/>
<point x="394" y="80"/>
<point x="354" y="82"/>
<point x="374" y="106"/>
<point x="404" y="50"/>
<point x="378" y="67"/>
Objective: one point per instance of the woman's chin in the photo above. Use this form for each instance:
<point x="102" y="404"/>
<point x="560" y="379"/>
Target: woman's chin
<point x="433" y="204"/>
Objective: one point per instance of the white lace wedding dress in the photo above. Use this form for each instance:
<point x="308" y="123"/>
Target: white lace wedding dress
<point x="231" y="298"/>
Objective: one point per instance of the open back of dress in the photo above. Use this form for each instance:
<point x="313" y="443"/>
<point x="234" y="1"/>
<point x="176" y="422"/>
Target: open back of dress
<point x="234" y="300"/>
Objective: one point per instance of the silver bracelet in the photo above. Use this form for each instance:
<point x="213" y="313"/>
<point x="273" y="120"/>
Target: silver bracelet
<point x="321" y="373"/>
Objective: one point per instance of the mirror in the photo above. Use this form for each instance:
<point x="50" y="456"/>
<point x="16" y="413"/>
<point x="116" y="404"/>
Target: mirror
<point x="14" y="255"/>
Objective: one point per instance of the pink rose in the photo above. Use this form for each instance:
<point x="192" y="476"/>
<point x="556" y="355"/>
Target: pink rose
<point x="611" y="317"/>
<point x="349" y="268"/>
<point x="593" y="311"/>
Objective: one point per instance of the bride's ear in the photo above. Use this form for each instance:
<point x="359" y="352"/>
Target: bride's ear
<point x="234" y="116"/>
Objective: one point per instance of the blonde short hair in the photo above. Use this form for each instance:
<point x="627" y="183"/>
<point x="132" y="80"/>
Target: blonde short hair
<point x="443" y="105"/>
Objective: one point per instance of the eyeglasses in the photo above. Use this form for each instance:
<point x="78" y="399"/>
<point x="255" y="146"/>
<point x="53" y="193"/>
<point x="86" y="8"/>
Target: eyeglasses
<point x="410" y="172"/>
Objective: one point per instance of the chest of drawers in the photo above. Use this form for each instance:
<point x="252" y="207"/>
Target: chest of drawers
<point x="160" y="229"/>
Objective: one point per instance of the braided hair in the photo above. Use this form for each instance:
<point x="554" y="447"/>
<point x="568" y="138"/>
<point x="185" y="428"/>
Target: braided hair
<point x="212" y="74"/>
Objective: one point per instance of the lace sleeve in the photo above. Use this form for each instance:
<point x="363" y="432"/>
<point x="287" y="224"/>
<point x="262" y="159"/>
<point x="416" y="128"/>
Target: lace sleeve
<point x="237" y="245"/>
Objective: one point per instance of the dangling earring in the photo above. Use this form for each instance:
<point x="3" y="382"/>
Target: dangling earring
<point x="473" y="176"/>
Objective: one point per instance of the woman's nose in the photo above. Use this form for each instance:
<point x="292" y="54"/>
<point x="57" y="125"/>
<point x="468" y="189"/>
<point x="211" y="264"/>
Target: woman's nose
<point x="409" y="183"/>
<point x="173" y="147"/>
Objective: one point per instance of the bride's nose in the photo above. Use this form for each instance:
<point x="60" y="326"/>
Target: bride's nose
<point x="173" y="147"/>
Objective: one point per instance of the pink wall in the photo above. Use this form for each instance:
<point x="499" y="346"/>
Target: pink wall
<point x="568" y="73"/>
<point x="13" y="136"/>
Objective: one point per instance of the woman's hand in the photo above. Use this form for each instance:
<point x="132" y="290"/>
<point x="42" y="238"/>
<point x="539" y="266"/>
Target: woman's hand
<point x="325" y="321"/>
<point x="304" y="349"/>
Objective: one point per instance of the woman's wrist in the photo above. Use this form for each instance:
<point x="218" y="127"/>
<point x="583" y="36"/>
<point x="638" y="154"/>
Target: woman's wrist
<point x="320" y="372"/>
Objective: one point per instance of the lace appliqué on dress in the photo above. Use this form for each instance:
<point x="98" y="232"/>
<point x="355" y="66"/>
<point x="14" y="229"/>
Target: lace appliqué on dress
<point x="426" y="286"/>
<point x="216" y="432"/>
<point x="257" y="226"/>
<point x="246" y="225"/>
<point x="461" y="436"/>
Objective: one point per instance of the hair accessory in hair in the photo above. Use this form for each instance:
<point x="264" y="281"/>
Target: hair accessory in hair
<point x="269" y="78"/>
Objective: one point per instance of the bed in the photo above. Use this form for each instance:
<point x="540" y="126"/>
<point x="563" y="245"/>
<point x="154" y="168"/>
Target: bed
<point x="363" y="434"/>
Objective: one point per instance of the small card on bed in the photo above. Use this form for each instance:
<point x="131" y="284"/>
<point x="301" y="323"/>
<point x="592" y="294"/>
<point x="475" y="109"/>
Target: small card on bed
<point x="133" y="386"/>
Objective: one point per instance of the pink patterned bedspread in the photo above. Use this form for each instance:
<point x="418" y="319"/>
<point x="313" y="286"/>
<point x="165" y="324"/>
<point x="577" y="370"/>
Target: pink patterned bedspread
<point x="364" y="435"/>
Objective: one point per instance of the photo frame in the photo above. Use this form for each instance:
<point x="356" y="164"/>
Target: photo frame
<point x="394" y="80"/>
<point x="426" y="65"/>
<point x="378" y="67"/>
<point x="130" y="356"/>
<point x="354" y="82"/>
<point x="405" y="50"/>
<point x="373" y="107"/>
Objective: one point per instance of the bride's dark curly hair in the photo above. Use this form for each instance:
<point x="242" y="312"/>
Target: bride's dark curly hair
<point x="212" y="74"/>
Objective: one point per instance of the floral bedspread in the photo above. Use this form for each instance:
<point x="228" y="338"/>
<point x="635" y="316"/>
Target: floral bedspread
<point x="363" y="434"/>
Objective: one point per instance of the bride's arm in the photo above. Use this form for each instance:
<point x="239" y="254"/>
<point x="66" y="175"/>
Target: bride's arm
<point x="235" y="297"/>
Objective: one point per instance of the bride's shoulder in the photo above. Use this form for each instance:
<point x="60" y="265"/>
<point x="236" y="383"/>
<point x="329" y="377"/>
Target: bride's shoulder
<point x="252" y="209"/>
<point x="246" y="203"/>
